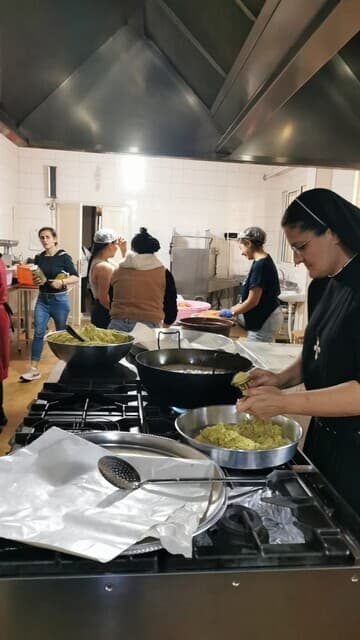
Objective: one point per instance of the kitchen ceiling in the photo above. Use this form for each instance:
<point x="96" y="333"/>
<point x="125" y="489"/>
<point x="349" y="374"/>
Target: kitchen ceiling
<point x="274" y="82"/>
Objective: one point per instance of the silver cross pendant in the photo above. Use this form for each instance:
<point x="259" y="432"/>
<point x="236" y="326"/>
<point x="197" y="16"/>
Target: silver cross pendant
<point x="316" y="348"/>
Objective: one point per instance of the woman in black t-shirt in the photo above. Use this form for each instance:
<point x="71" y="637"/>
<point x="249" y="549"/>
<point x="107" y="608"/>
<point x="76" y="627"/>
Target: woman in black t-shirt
<point x="259" y="309"/>
<point x="324" y="232"/>
<point x="53" y="298"/>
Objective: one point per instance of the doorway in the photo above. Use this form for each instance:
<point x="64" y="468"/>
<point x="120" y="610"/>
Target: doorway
<point x="76" y="224"/>
<point x="91" y="222"/>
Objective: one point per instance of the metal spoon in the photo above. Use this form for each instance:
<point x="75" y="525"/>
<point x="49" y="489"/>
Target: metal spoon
<point x="74" y="333"/>
<point x="123" y="475"/>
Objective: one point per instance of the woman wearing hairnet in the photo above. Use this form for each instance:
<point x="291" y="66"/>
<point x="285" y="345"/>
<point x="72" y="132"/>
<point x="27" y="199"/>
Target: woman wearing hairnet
<point x="100" y="270"/>
<point x="259" y="311"/>
<point x="324" y="232"/>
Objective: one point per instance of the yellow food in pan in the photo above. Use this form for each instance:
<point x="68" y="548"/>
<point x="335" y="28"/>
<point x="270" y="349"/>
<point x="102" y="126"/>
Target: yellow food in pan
<point x="241" y="380"/>
<point x="249" y="435"/>
<point x="93" y="336"/>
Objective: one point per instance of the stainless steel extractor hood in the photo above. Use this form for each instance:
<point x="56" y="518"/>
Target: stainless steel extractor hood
<point x="275" y="82"/>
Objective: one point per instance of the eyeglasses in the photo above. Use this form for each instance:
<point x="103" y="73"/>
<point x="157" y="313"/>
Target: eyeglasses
<point x="299" y="249"/>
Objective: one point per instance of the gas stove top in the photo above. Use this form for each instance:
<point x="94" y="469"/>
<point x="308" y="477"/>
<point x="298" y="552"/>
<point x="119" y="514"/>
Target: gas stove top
<point x="115" y="401"/>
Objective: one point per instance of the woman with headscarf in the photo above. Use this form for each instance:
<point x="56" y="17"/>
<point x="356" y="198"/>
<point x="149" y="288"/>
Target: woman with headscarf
<point x="323" y="230"/>
<point x="259" y="310"/>
<point x="143" y="289"/>
<point x="100" y="270"/>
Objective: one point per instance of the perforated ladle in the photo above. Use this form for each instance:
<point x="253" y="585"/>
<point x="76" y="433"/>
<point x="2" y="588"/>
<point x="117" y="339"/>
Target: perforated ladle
<point x="123" y="475"/>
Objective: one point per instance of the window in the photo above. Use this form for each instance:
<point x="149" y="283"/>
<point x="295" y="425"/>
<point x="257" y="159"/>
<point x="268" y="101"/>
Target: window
<point x="285" y="251"/>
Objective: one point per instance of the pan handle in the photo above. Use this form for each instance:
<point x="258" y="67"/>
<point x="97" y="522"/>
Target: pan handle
<point x="176" y="331"/>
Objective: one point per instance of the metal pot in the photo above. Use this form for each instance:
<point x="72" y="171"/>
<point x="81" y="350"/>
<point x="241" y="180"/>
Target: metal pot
<point x="89" y="357"/>
<point x="187" y="390"/>
<point x="177" y="337"/>
<point x="190" y="424"/>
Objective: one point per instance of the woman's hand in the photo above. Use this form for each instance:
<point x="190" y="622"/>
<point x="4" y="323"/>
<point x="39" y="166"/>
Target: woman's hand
<point x="57" y="284"/>
<point x="263" y="402"/>
<point x="225" y="313"/>
<point x="122" y="244"/>
<point x="37" y="280"/>
<point x="262" y="378"/>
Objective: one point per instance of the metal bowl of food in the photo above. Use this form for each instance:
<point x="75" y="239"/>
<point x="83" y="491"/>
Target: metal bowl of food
<point x="190" y="424"/>
<point x="90" y="355"/>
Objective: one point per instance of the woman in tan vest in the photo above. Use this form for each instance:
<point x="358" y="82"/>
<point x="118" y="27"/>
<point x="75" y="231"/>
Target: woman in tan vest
<point x="143" y="289"/>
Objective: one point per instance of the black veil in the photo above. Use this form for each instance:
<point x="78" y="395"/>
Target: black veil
<point x="333" y="211"/>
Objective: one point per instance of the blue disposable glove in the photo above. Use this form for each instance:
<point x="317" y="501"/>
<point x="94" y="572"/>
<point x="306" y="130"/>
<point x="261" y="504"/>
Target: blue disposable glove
<point x="225" y="313"/>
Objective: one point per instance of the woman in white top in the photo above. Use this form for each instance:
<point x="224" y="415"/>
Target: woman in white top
<point x="106" y="242"/>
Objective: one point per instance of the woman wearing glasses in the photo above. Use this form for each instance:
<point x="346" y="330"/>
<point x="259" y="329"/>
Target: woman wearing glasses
<point x="259" y="311"/>
<point x="324" y="232"/>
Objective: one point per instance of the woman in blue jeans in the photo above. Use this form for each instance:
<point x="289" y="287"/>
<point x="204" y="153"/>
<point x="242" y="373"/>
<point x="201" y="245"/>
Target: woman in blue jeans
<point x="53" y="298"/>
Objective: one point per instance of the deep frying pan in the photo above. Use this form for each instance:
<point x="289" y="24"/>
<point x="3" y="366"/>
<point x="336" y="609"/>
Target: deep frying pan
<point x="188" y="390"/>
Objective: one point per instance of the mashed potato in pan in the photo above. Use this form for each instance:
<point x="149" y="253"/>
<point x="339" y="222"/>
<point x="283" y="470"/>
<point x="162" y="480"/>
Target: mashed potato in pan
<point x="250" y="435"/>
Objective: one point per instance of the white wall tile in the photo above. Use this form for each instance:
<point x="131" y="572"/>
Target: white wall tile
<point x="187" y="194"/>
<point x="343" y="182"/>
<point x="8" y="188"/>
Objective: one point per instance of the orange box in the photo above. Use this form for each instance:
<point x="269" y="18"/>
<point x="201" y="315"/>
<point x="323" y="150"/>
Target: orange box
<point x="24" y="275"/>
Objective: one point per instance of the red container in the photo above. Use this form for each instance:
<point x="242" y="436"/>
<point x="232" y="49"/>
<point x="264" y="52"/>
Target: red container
<point x="24" y="274"/>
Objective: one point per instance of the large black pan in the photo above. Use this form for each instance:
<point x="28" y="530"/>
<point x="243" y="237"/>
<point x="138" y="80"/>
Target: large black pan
<point x="189" y="390"/>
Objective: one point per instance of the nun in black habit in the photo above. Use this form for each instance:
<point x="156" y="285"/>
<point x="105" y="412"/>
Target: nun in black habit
<point x="323" y="230"/>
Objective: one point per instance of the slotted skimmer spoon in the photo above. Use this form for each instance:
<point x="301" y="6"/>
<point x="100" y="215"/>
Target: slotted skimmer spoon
<point x="74" y="333"/>
<point x="123" y="475"/>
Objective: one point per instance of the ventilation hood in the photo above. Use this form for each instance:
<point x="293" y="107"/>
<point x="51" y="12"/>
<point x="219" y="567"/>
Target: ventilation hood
<point x="275" y="82"/>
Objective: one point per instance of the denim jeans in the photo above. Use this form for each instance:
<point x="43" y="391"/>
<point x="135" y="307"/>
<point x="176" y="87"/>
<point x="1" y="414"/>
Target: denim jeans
<point x="55" y="306"/>
<point x="128" y="325"/>
<point x="267" y="332"/>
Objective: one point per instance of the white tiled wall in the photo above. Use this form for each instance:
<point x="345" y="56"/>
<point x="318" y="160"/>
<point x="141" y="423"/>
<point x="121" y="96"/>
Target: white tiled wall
<point x="160" y="194"/>
<point x="191" y="196"/>
<point x="8" y="188"/>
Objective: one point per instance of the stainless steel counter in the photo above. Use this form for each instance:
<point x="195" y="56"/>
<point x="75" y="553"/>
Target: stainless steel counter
<point x="222" y="286"/>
